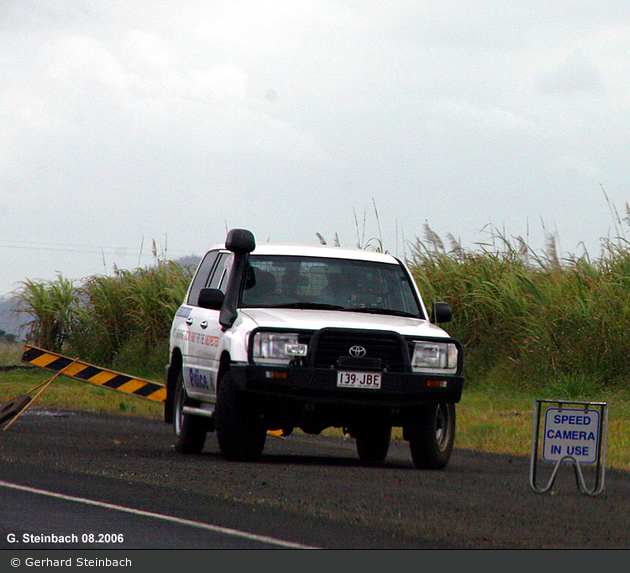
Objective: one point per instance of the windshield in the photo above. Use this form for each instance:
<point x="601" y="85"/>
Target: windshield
<point x="328" y="283"/>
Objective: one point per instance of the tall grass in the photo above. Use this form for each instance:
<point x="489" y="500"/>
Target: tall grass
<point x="52" y="306"/>
<point x="532" y="319"/>
<point x="525" y="318"/>
<point x="116" y="320"/>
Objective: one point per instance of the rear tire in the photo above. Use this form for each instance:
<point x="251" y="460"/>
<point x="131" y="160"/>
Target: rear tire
<point x="432" y="435"/>
<point x="373" y="443"/>
<point x="190" y="431"/>
<point x="240" y="430"/>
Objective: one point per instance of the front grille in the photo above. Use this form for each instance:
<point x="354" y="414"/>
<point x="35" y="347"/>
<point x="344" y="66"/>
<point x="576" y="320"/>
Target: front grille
<point x="329" y="345"/>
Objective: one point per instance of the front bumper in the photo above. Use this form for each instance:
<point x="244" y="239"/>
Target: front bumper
<point x="319" y="386"/>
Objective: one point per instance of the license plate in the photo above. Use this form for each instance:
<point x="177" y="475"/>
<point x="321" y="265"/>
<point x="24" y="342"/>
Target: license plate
<point x="367" y="380"/>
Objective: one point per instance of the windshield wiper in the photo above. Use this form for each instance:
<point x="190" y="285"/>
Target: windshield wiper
<point x="325" y="306"/>
<point x="378" y="310"/>
<point x="309" y="306"/>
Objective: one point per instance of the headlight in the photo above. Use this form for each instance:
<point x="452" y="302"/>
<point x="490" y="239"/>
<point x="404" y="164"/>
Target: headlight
<point x="277" y="348"/>
<point x="434" y="357"/>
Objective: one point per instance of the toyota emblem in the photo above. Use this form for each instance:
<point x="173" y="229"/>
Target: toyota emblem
<point x="357" y="351"/>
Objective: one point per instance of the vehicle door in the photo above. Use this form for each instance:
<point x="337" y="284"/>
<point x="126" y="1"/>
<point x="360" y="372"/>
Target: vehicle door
<point x="203" y="331"/>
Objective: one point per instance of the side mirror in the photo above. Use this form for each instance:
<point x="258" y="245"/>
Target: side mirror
<point x="211" y="298"/>
<point x="442" y="312"/>
<point x="240" y="241"/>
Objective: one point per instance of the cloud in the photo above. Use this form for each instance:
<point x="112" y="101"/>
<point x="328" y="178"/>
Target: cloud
<point x="177" y="117"/>
<point x="86" y="58"/>
<point x="575" y="75"/>
<point x="225" y="85"/>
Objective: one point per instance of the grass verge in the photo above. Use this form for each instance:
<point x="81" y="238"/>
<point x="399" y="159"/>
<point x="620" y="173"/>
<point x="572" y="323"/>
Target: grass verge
<point x="502" y="422"/>
<point x="68" y="394"/>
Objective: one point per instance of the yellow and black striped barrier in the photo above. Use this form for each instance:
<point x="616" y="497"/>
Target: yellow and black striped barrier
<point x="95" y="375"/>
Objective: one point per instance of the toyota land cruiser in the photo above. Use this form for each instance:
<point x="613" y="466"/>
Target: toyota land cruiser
<point x="279" y="337"/>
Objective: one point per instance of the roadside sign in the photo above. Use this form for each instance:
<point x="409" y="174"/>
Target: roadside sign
<point x="571" y="432"/>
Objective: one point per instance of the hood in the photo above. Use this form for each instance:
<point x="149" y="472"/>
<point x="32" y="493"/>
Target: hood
<point x="316" y="319"/>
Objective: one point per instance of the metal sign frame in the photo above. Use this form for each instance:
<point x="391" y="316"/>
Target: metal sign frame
<point x="600" y="462"/>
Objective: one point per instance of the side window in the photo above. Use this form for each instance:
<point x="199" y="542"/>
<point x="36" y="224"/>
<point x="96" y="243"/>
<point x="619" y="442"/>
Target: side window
<point x="221" y="271"/>
<point x="201" y="276"/>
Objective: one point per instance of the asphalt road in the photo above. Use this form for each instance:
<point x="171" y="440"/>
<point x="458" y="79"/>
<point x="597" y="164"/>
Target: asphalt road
<point x="306" y="491"/>
<point x="33" y="518"/>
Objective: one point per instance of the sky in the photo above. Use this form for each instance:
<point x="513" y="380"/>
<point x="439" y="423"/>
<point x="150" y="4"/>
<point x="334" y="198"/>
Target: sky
<point x="134" y="130"/>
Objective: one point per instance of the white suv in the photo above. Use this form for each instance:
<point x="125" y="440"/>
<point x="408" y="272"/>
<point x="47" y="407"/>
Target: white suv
<point x="278" y="337"/>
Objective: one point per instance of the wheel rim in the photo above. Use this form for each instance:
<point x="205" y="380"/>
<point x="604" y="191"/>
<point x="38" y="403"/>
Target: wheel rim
<point x="442" y="426"/>
<point x="179" y="413"/>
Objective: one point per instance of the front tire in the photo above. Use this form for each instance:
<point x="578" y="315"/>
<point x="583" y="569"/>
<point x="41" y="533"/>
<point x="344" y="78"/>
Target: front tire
<point x="432" y="435"/>
<point x="240" y="430"/>
<point x="190" y="431"/>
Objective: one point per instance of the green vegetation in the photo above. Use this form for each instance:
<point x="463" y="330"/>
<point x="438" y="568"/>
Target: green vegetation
<point x="121" y="321"/>
<point x="532" y="321"/>
<point x="533" y="325"/>
<point x="66" y="393"/>
<point x="502" y="421"/>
